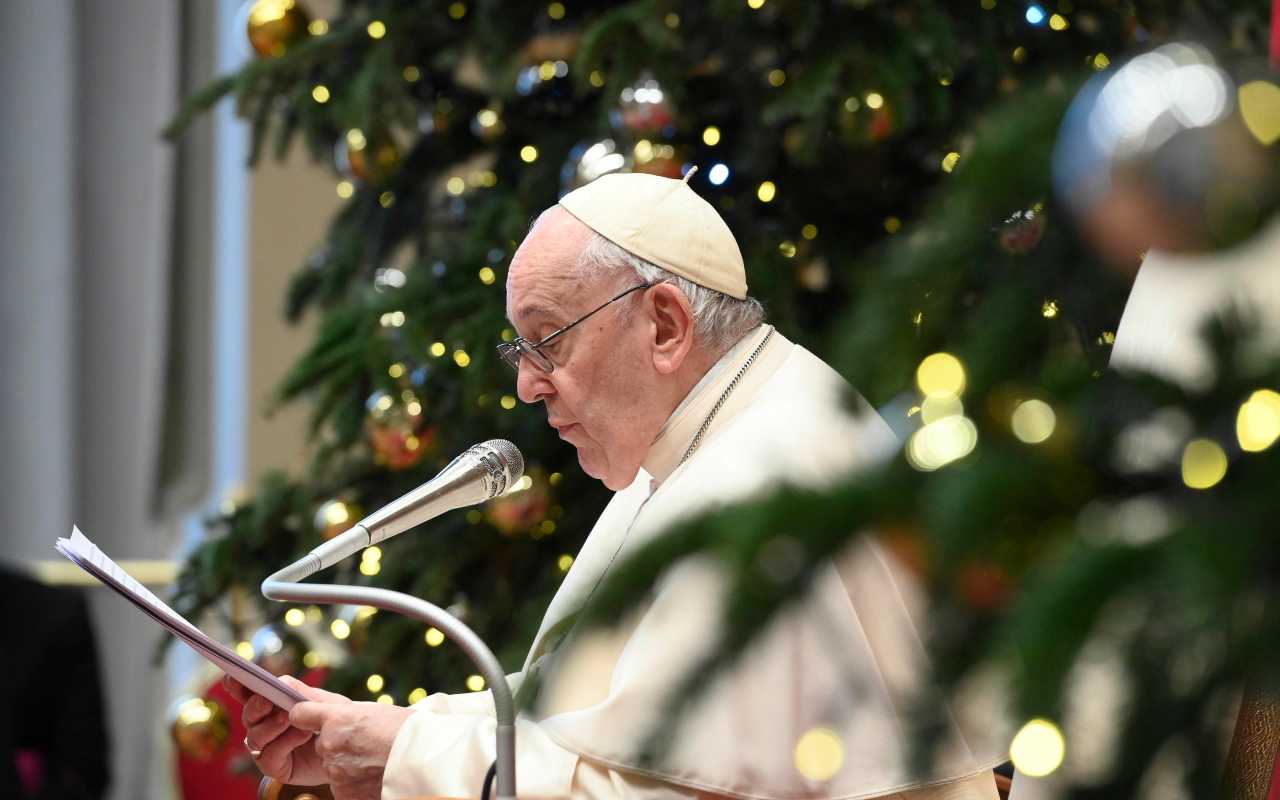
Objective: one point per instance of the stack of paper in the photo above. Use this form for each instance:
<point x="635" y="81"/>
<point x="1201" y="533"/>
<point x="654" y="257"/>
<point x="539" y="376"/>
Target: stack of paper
<point x="93" y="561"/>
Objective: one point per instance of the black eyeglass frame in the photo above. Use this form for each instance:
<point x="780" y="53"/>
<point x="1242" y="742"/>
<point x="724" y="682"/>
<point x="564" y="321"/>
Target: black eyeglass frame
<point x="511" y="352"/>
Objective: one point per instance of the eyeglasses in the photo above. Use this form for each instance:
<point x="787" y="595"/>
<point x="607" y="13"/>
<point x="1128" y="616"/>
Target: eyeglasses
<point x="512" y="352"/>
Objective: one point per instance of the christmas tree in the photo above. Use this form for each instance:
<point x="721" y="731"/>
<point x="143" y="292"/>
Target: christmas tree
<point x="885" y="167"/>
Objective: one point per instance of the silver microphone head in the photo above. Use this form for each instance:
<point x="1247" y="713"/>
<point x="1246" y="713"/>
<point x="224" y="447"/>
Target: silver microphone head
<point x="502" y="463"/>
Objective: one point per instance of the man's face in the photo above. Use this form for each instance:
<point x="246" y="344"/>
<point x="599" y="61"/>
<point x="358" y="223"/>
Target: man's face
<point x="596" y="395"/>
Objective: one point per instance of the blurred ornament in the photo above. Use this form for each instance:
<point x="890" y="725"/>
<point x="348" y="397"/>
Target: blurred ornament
<point x="644" y="109"/>
<point x="543" y="77"/>
<point x="523" y="507"/>
<point x="983" y="585"/>
<point x="276" y="651"/>
<point x="1021" y="232"/>
<point x="199" y="727"/>
<point x="336" y="516"/>
<point x="665" y="160"/>
<point x="397" y="430"/>
<point x="588" y="161"/>
<point x="815" y="275"/>
<point x="369" y="158"/>
<point x="1162" y="153"/>
<point x="274" y="25"/>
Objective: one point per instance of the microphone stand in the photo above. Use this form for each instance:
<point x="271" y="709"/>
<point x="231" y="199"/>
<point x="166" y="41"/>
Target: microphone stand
<point x="285" y="585"/>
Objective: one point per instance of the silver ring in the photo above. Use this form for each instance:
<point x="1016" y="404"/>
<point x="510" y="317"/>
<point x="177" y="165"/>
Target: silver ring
<point x="252" y="752"/>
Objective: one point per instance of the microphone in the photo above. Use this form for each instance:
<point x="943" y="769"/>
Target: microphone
<point x="482" y="472"/>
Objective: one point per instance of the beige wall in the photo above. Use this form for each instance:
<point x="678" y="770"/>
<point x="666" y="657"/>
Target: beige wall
<point x="291" y="204"/>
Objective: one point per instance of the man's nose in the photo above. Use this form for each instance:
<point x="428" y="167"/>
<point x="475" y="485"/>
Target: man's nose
<point x="532" y="384"/>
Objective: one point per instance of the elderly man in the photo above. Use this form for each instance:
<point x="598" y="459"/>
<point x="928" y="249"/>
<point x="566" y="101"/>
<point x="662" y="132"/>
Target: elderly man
<point x="638" y="337"/>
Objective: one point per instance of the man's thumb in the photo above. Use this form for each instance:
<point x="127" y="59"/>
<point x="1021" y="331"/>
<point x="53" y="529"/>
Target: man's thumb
<point x="308" y="716"/>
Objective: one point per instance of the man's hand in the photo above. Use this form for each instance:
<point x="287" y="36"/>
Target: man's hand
<point x="328" y="739"/>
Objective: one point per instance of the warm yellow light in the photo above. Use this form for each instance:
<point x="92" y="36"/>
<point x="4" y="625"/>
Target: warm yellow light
<point x="1034" y="421"/>
<point x="487" y="275"/>
<point x="875" y="100"/>
<point x="356" y="139"/>
<point x="1260" y="108"/>
<point x="940" y="373"/>
<point x="373" y="553"/>
<point x="245" y="650"/>
<point x="508" y="335"/>
<point x="375" y="683"/>
<point x="1258" y="423"/>
<point x="314" y="614"/>
<point x="809" y="231"/>
<point x="1058" y="22"/>
<point x="1049" y="309"/>
<point x="1038" y="748"/>
<point x="787" y="248"/>
<point x="387" y="199"/>
<point x="434" y="637"/>
<point x="547" y="70"/>
<point x="384" y="403"/>
<point x="377" y="29"/>
<point x="508" y="402"/>
<point x="939" y="443"/>
<point x="939" y="407"/>
<point x="528" y="154"/>
<point x="437" y="349"/>
<point x="475" y="683"/>
<point x="766" y="192"/>
<point x="711" y="136"/>
<point x="643" y="151"/>
<point x="417" y="695"/>
<point x="1100" y="61"/>
<point x="564" y="562"/>
<point x="411" y="442"/>
<point x="295" y="617"/>
<point x="755" y="4"/>
<point x="1019" y="54"/>
<point x="457" y="10"/>
<point x="411" y="73"/>
<point x="311" y="659"/>
<point x="777" y="77"/>
<point x="852" y="104"/>
<point x="194" y="711"/>
<point x="345" y="189"/>
<point x="340" y="629"/>
<point x="455" y="185"/>
<point x="1204" y="464"/>
<point x="596" y="78"/>
<point x="950" y="160"/>
<point x="318" y="27"/>
<point x="546" y="527"/>
<point x="370" y="568"/>
<point x="364" y="612"/>
<point x="671" y="20"/>
<point x="320" y="93"/>
<point x="892" y="225"/>
<point x="556" y="11"/>
<point x="819" y="754"/>
<point x="386" y="700"/>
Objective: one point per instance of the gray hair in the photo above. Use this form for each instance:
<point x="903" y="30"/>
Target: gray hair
<point x="719" y="320"/>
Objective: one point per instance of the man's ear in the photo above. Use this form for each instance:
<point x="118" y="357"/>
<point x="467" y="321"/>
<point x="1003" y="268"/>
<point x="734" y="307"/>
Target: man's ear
<point x="672" y="319"/>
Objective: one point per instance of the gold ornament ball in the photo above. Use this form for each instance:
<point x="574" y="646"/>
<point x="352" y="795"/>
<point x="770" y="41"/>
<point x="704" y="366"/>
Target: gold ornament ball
<point x="397" y="430"/>
<point x="374" y="162"/>
<point x="520" y="511"/>
<point x="199" y="727"/>
<point x="274" y="25"/>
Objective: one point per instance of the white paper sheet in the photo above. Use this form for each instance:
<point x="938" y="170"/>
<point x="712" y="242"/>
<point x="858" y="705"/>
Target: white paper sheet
<point x="88" y="557"/>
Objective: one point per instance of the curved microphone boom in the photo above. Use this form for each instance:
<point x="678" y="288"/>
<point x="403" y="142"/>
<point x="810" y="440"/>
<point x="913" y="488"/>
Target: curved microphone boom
<point x="482" y="472"/>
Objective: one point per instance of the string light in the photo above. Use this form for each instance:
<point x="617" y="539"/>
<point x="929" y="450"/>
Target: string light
<point x="437" y="349"/>
<point x="718" y="174"/>
<point x="671" y="20"/>
<point x="788" y="249"/>
<point x="1035" y="14"/>
<point x="892" y="225"/>
<point x="1038" y="748"/>
<point x="386" y="700"/>
<point x="461" y="358"/>
<point x="417" y="696"/>
<point x="1058" y="22"/>
<point x="755" y="5"/>
<point x="1019" y="54"/>
<point x="1258" y="423"/>
<point x="320" y="93"/>
<point x="508" y="402"/>
<point x="711" y="136"/>
<point x="375" y="683"/>
<point x="950" y="160"/>
<point x="487" y="276"/>
<point x="356" y="139"/>
<point x="411" y="74"/>
<point x="455" y="185"/>
<point x="1101" y="62"/>
<point x="819" y="754"/>
<point x="1033" y="421"/>
<point x="1204" y="464"/>
<point x="457" y="10"/>
<point x="245" y="651"/>
<point x="809" y="231"/>
<point x="340" y="629"/>
<point x="345" y="189"/>
<point x="777" y="77"/>
<point x="940" y="374"/>
<point x="475" y="683"/>
<point x="1049" y="309"/>
<point x="434" y="637"/>
<point x="528" y="154"/>
<point x="377" y="29"/>
<point x="596" y="78"/>
<point x="874" y="100"/>
<point x="311" y="659"/>
<point x="852" y="104"/>
<point x="387" y="199"/>
<point x="294" y="617"/>
<point x="556" y="11"/>
<point x="564" y="562"/>
<point x="318" y="27"/>
<point x="940" y="443"/>
<point x="766" y="192"/>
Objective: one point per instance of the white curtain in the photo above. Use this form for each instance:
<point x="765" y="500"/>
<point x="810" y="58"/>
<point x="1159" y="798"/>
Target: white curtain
<point x="105" y="298"/>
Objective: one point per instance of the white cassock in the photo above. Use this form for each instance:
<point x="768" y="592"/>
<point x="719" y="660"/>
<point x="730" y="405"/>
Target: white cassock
<point x="847" y="657"/>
